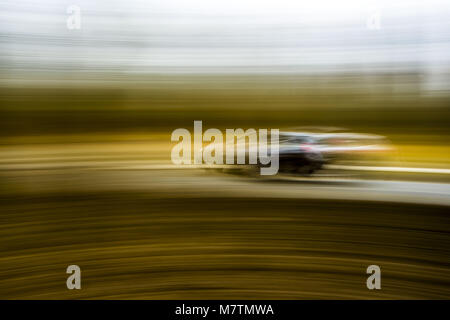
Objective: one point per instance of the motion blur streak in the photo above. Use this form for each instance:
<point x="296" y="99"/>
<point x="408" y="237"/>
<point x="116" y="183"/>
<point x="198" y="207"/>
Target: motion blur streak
<point x="85" y="122"/>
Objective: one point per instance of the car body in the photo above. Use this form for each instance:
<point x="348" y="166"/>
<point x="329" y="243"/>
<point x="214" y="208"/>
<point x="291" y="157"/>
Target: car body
<point x="306" y="152"/>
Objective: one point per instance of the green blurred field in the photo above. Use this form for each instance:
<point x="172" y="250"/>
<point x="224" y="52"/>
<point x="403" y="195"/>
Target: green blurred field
<point x="158" y="103"/>
<point x="150" y="108"/>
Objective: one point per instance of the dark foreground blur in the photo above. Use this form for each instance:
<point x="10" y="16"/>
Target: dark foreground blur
<point x="136" y="245"/>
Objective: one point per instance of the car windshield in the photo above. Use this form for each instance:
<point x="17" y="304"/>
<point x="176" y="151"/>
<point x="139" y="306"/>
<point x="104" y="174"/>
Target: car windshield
<point x="291" y="139"/>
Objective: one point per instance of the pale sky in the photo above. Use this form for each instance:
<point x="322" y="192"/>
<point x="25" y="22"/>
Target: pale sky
<point x="145" y="36"/>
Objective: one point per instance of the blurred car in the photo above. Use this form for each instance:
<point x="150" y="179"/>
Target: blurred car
<point x="306" y="152"/>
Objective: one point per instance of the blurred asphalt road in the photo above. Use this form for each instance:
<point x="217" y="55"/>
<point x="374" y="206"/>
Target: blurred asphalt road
<point x="211" y="183"/>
